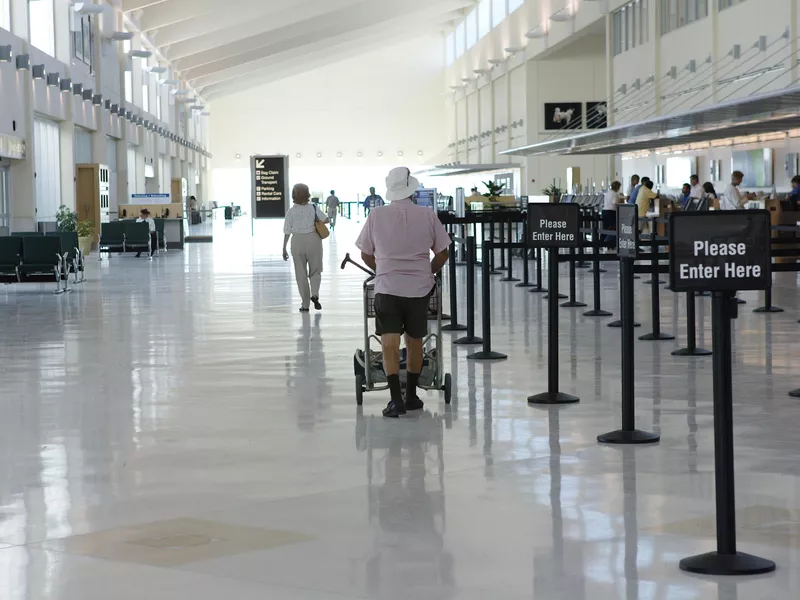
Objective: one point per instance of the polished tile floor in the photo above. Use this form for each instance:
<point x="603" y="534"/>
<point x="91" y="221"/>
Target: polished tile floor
<point x="176" y="429"/>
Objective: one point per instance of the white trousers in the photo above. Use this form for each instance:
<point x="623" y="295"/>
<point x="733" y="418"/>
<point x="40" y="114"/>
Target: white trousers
<point x="307" y="257"/>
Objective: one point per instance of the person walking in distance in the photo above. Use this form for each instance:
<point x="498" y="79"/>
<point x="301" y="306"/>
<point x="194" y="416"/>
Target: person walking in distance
<point x="396" y="242"/>
<point x="332" y="208"/>
<point x="372" y="201"/>
<point x="306" y="245"/>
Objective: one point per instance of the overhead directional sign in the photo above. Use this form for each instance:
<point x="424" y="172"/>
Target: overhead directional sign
<point x="270" y="186"/>
<point x="720" y="251"/>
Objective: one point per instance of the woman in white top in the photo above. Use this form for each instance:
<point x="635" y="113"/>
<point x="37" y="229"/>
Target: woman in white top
<point x="306" y="245"/>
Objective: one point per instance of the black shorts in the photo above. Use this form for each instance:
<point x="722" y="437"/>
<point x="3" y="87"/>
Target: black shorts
<point x="395" y="314"/>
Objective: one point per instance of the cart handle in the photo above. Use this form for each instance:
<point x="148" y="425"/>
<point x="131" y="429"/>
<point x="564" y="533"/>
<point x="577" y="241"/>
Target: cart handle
<point x="347" y="259"/>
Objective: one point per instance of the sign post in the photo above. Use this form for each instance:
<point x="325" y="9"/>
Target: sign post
<point x="270" y="195"/>
<point x="627" y="250"/>
<point x="553" y="226"/>
<point x="722" y="252"/>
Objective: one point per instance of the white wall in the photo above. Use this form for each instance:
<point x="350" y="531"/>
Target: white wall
<point x="386" y="101"/>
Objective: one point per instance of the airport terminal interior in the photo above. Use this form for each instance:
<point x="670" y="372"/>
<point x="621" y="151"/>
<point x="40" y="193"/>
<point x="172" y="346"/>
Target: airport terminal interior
<point x="177" y="421"/>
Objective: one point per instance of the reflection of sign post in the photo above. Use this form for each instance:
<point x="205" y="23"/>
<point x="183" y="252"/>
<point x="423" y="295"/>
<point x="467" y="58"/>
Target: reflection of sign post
<point x="553" y="226"/>
<point x="270" y="186"/>
<point x="722" y="252"/>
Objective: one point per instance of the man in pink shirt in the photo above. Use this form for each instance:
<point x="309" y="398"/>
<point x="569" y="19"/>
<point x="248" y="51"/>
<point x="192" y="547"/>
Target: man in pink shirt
<point x="396" y="243"/>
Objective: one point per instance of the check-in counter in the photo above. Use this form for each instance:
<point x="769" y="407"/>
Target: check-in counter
<point x="779" y="215"/>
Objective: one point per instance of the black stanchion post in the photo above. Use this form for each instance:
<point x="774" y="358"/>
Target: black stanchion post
<point x="691" y="331"/>
<point x="525" y="258"/>
<point x="695" y="266"/>
<point x="726" y="560"/>
<point x="454" y="325"/>
<point x="582" y="264"/>
<point x="470" y="339"/>
<point x="502" y="266"/>
<point x="768" y="308"/>
<point x="573" y="301"/>
<point x="597" y="311"/>
<point x="538" y="289"/>
<point x="490" y="250"/>
<point x="655" y="298"/>
<point x="486" y="311"/>
<point x="510" y="277"/>
<point x="552" y="395"/>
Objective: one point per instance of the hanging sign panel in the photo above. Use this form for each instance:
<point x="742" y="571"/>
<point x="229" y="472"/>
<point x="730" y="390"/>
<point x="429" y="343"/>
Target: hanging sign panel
<point x="720" y="251"/>
<point x="554" y="225"/>
<point x="270" y="186"/>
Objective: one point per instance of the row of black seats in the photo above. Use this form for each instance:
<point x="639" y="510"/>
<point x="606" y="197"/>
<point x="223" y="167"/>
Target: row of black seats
<point x="128" y="236"/>
<point x="30" y="257"/>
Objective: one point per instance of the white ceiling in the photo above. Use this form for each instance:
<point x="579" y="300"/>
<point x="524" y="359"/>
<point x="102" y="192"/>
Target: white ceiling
<point x="224" y="46"/>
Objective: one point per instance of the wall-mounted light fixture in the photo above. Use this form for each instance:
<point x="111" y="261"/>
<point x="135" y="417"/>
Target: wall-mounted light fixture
<point x="87" y="95"/>
<point x="120" y="36"/>
<point x="139" y="54"/>
<point x="496" y="62"/>
<point x="536" y="33"/>
<point x="565" y="14"/>
<point x="114" y="109"/>
<point x="97" y="99"/>
<point x="53" y="79"/>
<point x="38" y="72"/>
<point x="514" y="50"/>
<point x="77" y="89"/>
<point x="6" y="54"/>
<point x="107" y="104"/>
<point x="480" y="72"/>
<point x="158" y="70"/>
<point x="88" y="8"/>
<point x="23" y="62"/>
<point x="65" y="85"/>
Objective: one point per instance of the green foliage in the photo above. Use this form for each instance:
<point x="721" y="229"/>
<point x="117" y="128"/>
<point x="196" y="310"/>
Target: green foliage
<point x="553" y="190"/>
<point x="494" y="189"/>
<point x="85" y="229"/>
<point x="66" y="219"/>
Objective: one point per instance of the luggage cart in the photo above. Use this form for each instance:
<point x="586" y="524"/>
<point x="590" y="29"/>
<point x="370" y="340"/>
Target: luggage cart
<point x="368" y="363"/>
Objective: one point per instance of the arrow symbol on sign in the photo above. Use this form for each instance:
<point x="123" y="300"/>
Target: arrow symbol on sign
<point x="260" y="163"/>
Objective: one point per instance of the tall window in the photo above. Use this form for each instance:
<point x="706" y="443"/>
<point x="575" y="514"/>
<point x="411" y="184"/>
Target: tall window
<point x="126" y="48"/>
<point x="723" y="4"/>
<point x="145" y="93"/>
<point x="677" y="13"/>
<point x="5" y="15"/>
<point x="83" y="42"/>
<point x="47" y="163"/>
<point x="514" y="5"/>
<point x="41" y="20"/>
<point x="629" y="26"/>
<point x="450" y="48"/>
<point x="460" y="40"/>
<point x="484" y="17"/>
<point x="472" y="28"/>
<point x="131" y="171"/>
<point x="498" y="12"/>
<point x="158" y="105"/>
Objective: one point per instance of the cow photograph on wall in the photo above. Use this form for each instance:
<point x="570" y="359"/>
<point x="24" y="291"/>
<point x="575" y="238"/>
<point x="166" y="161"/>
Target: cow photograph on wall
<point x="563" y="115"/>
<point x="596" y="115"/>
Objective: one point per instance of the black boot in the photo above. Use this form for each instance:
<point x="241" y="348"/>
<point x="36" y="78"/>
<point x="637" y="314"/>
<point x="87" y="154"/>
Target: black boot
<point x="412" y="400"/>
<point x="396" y="407"/>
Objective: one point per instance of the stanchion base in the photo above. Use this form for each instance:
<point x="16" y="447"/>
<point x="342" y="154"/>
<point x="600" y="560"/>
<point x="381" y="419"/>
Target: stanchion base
<point x="560" y="297"/>
<point x="510" y="279"/>
<point x="629" y="437"/>
<point x="502" y="268"/>
<point x="454" y="327"/>
<point x="650" y="282"/>
<point x="445" y="317"/>
<point x="468" y="341"/>
<point x="575" y="304"/>
<point x="795" y="393"/>
<point x="769" y="309"/>
<point x="636" y="277"/>
<point x="656" y="337"/>
<point x="598" y="313"/>
<point x="714" y="563"/>
<point x="496" y="272"/>
<point x="740" y="301"/>
<point x="692" y="352"/>
<point x="553" y="398"/>
<point x="527" y="285"/>
<point x="486" y="356"/>
<point x="618" y="324"/>
<point x="537" y="289"/>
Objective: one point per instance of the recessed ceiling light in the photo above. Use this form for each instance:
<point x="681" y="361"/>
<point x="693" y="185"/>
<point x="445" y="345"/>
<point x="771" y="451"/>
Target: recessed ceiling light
<point x="298" y="155"/>
<point x="339" y="155"/>
<point x="238" y="156"/>
<point x="380" y="154"/>
<point x="360" y="154"/>
<point x="319" y="154"/>
<point x="420" y="153"/>
<point x="400" y="153"/>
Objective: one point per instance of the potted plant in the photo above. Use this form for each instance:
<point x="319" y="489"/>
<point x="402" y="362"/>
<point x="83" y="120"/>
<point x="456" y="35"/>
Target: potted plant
<point x="554" y="192"/>
<point x="85" y="236"/>
<point x="495" y="191"/>
<point x="66" y="219"/>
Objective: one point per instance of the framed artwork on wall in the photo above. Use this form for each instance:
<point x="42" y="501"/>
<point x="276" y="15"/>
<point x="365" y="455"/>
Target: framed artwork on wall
<point x="563" y="115"/>
<point x="596" y="115"/>
<point x="715" y="170"/>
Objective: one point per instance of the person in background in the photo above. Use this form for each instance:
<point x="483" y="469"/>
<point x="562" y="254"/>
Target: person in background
<point x="635" y="193"/>
<point x="306" y="245"/>
<point x="709" y="191"/>
<point x="332" y="208"/>
<point x="372" y="201"/>
<point x="396" y="242"/>
<point x="631" y="187"/>
<point x="193" y="203"/>
<point x="144" y="217"/>
<point x="696" y="190"/>
<point x="732" y="198"/>
<point x="645" y="197"/>
<point x="612" y="199"/>
<point x="686" y="196"/>
<point x="794" y="195"/>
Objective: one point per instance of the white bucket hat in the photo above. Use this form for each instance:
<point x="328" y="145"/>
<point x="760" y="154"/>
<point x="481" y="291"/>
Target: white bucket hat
<point x="400" y="184"/>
